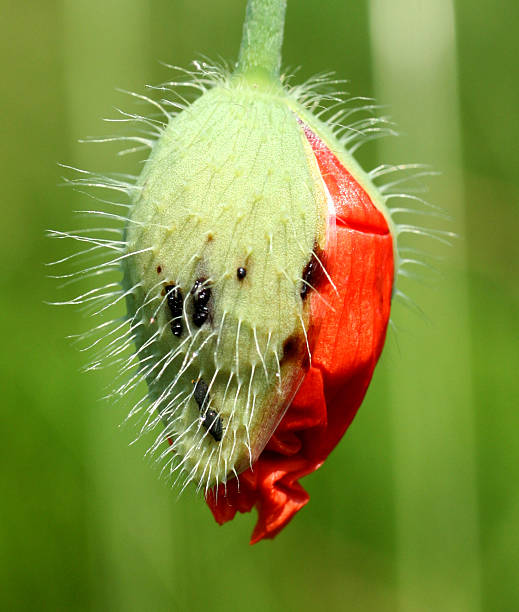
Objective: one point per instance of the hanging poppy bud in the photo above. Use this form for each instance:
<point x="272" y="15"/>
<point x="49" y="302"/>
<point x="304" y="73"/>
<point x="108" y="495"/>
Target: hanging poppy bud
<point x="258" y="265"/>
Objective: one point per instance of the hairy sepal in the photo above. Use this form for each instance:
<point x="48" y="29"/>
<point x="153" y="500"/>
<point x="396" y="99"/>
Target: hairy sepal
<point x="229" y="184"/>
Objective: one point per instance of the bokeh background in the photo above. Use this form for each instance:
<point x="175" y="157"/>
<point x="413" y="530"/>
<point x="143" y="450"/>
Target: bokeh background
<point x="418" y="508"/>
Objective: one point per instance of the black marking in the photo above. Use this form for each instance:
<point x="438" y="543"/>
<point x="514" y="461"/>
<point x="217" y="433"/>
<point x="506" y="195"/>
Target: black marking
<point x="199" y="283"/>
<point x="308" y="274"/>
<point x="201" y="296"/>
<point x="201" y="291"/>
<point x="291" y="346"/>
<point x="175" y="305"/>
<point x="213" y="423"/>
<point x="210" y="419"/>
<point x="201" y="393"/>
<point x="200" y="315"/>
<point x="241" y="273"/>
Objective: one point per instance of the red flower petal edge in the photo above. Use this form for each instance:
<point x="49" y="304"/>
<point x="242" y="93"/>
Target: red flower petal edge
<point x="348" y="344"/>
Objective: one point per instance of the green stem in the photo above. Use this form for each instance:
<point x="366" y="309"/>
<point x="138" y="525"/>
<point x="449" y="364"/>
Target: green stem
<point x="262" y="39"/>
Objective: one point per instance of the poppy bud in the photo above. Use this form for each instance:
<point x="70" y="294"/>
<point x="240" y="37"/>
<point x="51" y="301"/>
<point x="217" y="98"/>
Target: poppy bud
<point x="258" y="264"/>
<point x="229" y="230"/>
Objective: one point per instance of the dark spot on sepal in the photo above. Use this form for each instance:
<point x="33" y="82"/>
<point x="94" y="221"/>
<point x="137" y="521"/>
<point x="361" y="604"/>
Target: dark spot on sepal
<point x="200" y="316"/>
<point x="293" y="347"/>
<point x="201" y="393"/>
<point x="175" y="302"/>
<point x="241" y="273"/>
<point x="295" y="351"/>
<point x="210" y="419"/>
<point x="201" y="292"/>
<point x="159" y="269"/>
<point x="308" y="274"/>
<point x="312" y="272"/>
<point x="213" y="423"/>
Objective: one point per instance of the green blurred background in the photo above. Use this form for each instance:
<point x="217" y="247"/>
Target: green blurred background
<point x="418" y="508"/>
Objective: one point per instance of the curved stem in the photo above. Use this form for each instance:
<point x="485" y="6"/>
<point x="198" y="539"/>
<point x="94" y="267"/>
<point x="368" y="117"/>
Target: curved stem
<point x="262" y="38"/>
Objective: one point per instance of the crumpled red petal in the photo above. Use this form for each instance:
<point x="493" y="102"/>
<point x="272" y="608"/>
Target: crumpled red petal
<point x="347" y="347"/>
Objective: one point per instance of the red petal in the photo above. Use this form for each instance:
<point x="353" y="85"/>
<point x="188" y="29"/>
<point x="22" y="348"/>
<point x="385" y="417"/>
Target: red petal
<point x="346" y="350"/>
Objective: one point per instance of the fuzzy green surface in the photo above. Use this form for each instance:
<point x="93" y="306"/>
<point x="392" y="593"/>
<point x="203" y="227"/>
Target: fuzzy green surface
<point x="230" y="184"/>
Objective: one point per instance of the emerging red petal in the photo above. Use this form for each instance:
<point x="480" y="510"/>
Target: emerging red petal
<point x="346" y="349"/>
